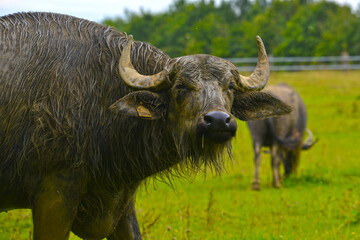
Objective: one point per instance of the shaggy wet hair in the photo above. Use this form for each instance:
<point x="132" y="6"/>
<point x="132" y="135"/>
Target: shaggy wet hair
<point x="55" y="97"/>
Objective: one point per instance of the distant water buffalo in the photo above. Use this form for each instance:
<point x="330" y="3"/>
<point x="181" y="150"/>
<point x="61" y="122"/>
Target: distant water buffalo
<point x="283" y="134"/>
<point x="86" y="115"/>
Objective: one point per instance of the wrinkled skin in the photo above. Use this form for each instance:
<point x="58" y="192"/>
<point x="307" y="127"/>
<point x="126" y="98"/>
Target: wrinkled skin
<point x="283" y="134"/>
<point x="76" y="141"/>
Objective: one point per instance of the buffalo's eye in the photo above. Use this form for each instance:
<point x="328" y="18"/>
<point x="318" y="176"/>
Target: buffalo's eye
<point x="181" y="92"/>
<point x="180" y="86"/>
<point x="231" y="86"/>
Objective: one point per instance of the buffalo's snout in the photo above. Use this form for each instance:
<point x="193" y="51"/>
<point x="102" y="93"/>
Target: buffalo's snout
<point x="218" y="126"/>
<point x="217" y="119"/>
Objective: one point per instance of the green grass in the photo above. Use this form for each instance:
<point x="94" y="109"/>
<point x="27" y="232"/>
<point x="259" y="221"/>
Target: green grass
<point x="321" y="202"/>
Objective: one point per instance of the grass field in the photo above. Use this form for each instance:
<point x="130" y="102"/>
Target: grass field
<point x="321" y="202"/>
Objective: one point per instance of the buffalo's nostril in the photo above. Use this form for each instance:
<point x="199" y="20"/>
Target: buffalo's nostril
<point x="227" y="121"/>
<point x="208" y="119"/>
<point x="217" y="117"/>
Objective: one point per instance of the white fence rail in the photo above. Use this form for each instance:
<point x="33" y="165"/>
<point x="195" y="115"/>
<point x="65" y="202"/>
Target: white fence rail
<point x="302" y="63"/>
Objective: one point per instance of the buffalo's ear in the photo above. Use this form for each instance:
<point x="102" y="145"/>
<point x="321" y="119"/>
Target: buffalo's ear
<point x="256" y="105"/>
<point x="142" y="104"/>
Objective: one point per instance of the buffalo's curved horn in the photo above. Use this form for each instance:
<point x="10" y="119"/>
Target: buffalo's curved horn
<point x="258" y="79"/>
<point x="133" y="78"/>
<point x="309" y="142"/>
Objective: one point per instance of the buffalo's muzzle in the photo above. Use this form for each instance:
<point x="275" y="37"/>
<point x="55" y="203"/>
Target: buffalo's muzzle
<point x="217" y="126"/>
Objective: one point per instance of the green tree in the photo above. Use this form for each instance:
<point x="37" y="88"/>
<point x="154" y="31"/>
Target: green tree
<point x="287" y="27"/>
<point x="319" y="29"/>
<point x="269" y="25"/>
<point x="354" y="37"/>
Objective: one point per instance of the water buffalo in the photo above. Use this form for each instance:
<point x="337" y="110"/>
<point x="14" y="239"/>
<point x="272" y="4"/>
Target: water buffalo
<point x="283" y="134"/>
<point x="86" y="115"/>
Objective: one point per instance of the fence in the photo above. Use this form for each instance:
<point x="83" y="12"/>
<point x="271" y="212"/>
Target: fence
<point x="302" y="63"/>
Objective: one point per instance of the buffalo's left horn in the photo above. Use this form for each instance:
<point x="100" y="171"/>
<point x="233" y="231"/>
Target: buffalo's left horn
<point x="133" y="78"/>
<point x="258" y="79"/>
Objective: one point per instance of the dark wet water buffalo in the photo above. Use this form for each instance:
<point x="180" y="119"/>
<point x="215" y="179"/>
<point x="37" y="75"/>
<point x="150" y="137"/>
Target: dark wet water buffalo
<point x="283" y="134"/>
<point x="86" y="115"/>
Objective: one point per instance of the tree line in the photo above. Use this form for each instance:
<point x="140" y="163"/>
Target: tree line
<point x="288" y="28"/>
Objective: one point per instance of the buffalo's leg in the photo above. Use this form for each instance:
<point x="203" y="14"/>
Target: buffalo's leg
<point x="275" y="163"/>
<point x="127" y="227"/>
<point x="291" y="162"/>
<point x="54" y="207"/>
<point x="257" y="163"/>
<point x="287" y="163"/>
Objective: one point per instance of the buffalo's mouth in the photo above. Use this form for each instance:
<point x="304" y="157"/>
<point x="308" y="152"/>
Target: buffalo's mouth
<point x="217" y="126"/>
<point x="219" y="136"/>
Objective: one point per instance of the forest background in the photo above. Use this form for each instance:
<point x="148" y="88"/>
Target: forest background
<point x="288" y="28"/>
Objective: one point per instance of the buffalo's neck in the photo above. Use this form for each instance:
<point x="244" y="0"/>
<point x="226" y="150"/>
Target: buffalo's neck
<point x="137" y="149"/>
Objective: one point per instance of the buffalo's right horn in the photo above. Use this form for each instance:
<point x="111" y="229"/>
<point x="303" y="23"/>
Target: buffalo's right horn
<point x="133" y="78"/>
<point x="258" y="79"/>
<point x="309" y="142"/>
